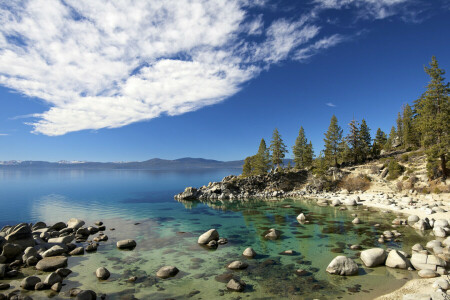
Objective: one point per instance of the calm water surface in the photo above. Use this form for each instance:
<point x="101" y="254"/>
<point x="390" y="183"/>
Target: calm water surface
<point x="140" y="205"/>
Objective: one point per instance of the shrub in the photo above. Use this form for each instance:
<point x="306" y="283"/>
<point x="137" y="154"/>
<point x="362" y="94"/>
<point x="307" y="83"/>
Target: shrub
<point x="351" y="184"/>
<point x="399" y="186"/>
<point x="394" y="170"/>
<point x="374" y="169"/>
<point x="437" y="190"/>
<point x="404" y="157"/>
<point x="405" y="178"/>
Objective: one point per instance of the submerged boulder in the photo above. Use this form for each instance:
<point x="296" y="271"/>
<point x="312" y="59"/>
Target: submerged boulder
<point x="167" y="271"/>
<point x="126" y="244"/>
<point x="210" y="235"/>
<point x="53" y="263"/>
<point x="236" y="285"/>
<point x="249" y="252"/>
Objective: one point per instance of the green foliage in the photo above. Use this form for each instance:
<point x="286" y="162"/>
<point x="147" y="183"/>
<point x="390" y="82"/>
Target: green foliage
<point x="400" y="127"/>
<point x="247" y="169"/>
<point x="353" y="139"/>
<point x="364" y="141"/>
<point x="308" y="155"/>
<point x="409" y="130"/>
<point x="332" y="141"/>
<point x="404" y="157"/>
<point x="299" y="149"/>
<point x="390" y="140"/>
<point x="262" y="159"/>
<point x="278" y="148"/>
<point x="394" y="169"/>
<point x="379" y="142"/>
<point x="320" y="165"/>
<point x="433" y="120"/>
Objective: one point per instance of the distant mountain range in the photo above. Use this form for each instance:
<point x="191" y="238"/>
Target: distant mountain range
<point x="151" y="164"/>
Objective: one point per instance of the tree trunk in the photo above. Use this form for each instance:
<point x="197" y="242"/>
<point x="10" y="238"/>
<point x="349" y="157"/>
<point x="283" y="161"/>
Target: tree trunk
<point x="443" y="167"/>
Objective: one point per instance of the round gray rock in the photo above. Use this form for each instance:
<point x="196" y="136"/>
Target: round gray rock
<point x="102" y="273"/>
<point x="52" y="278"/>
<point x="49" y="264"/>
<point x="373" y="257"/>
<point x="236" y="285"/>
<point x="427" y="273"/>
<point x="237" y="265"/>
<point x="167" y="271"/>
<point x="28" y="283"/>
<point x="342" y="265"/>
<point x="126" y="244"/>
<point x="210" y="235"/>
<point x="249" y="252"/>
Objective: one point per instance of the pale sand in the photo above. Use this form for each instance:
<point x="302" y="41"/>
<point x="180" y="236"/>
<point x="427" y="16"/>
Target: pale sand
<point x="414" y="286"/>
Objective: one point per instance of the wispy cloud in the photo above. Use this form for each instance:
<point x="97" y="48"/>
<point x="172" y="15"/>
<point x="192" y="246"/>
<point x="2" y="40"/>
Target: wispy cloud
<point x="3" y="134"/>
<point x="106" y="64"/>
<point x="330" y="104"/>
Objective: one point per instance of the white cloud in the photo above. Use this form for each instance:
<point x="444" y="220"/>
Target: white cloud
<point x="378" y="9"/>
<point x="330" y="104"/>
<point x="3" y="134"/>
<point x="105" y="64"/>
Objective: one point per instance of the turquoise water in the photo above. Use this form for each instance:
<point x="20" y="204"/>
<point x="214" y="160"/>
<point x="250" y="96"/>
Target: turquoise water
<point x="140" y="205"/>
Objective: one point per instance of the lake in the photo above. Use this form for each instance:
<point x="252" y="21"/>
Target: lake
<point x="140" y="205"/>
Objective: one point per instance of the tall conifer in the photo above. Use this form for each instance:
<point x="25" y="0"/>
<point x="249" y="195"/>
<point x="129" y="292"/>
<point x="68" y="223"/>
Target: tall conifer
<point x="278" y="148"/>
<point x="332" y="140"/>
<point x="299" y="148"/>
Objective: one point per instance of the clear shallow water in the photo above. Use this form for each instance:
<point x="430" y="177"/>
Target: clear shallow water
<point x="167" y="233"/>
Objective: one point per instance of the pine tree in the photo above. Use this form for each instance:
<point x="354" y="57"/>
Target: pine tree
<point x="409" y="135"/>
<point x="299" y="148"/>
<point x="344" y="152"/>
<point x="379" y="142"/>
<point x="400" y="128"/>
<point x="278" y="149"/>
<point x="308" y="155"/>
<point x="332" y="139"/>
<point x="365" y="141"/>
<point x="262" y="159"/>
<point x="390" y="140"/>
<point x="247" y="168"/>
<point x="320" y="165"/>
<point x="353" y="140"/>
<point x="433" y="119"/>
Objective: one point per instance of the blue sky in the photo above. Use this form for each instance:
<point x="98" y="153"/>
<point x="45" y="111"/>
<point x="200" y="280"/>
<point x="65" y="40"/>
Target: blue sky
<point x="104" y="82"/>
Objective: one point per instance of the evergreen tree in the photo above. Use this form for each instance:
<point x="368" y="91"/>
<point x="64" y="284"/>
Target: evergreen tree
<point x="390" y="140"/>
<point x="320" y="165"/>
<point x="353" y="140"/>
<point x="365" y="141"/>
<point x="247" y="168"/>
<point x="262" y="159"/>
<point x="409" y="136"/>
<point x="299" y="148"/>
<point x="344" y="152"/>
<point x="379" y="142"/>
<point x="433" y="119"/>
<point x="278" y="149"/>
<point x="400" y="128"/>
<point x="332" y="140"/>
<point x="308" y="155"/>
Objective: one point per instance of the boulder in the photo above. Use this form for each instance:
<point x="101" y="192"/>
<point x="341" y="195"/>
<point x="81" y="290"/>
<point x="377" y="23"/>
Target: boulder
<point x="58" y="226"/>
<point x="4" y="286"/>
<point x="11" y="251"/>
<point x="273" y="234"/>
<point x="373" y="257"/>
<point x="342" y="265"/>
<point x="28" y="283"/>
<point x="395" y="259"/>
<point x="86" y="295"/>
<point x="53" y="263"/>
<point x="126" y="244"/>
<point x="237" y="265"/>
<point x="440" y="223"/>
<point x="356" y="221"/>
<point x="21" y="235"/>
<point x="249" y="252"/>
<point x="422" y="261"/>
<point x="442" y="284"/>
<point x="336" y="202"/>
<point x="75" y="223"/>
<point x="77" y="251"/>
<point x="29" y="252"/>
<point x="427" y="273"/>
<point x="52" y="278"/>
<point x="102" y="273"/>
<point x="350" y="202"/>
<point x="167" y="271"/>
<point x="413" y="219"/>
<point x="301" y="217"/>
<point x="210" y="235"/>
<point x="54" y="251"/>
<point x="56" y="287"/>
<point x="421" y="225"/>
<point x="439" y="232"/>
<point x="446" y="242"/>
<point x="62" y="240"/>
<point x="417" y="248"/>
<point x="236" y="285"/>
<point x="63" y="272"/>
